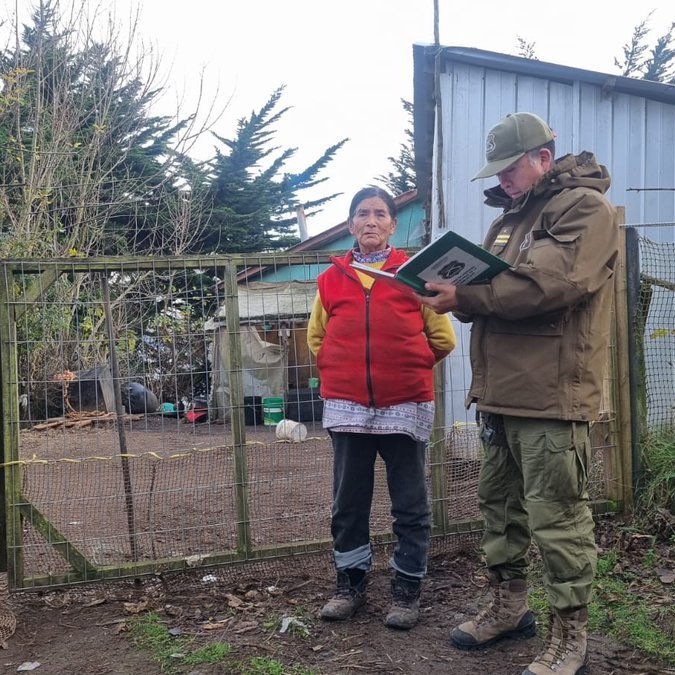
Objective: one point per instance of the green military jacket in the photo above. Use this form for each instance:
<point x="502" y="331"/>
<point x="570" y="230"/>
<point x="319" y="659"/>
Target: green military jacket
<point x="541" y="330"/>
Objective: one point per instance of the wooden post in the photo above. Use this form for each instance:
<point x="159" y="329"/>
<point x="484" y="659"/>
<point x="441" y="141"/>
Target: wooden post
<point x="119" y="414"/>
<point x="236" y="380"/>
<point x="11" y="542"/>
<point x="438" y="456"/>
<point x="620" y="461"/>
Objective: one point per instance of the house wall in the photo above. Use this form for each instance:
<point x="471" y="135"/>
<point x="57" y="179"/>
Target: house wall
<point x="410" y="230"/>
<point x="410" y="233"/>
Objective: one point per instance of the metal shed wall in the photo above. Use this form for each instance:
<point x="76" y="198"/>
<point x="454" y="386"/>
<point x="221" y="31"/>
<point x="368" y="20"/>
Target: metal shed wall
<point x="633" y="136"/>
<point x="628" y="124"/>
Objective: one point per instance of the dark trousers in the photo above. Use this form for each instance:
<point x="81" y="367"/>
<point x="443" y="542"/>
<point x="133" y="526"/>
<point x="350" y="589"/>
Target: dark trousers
<point x="353" y="479"/>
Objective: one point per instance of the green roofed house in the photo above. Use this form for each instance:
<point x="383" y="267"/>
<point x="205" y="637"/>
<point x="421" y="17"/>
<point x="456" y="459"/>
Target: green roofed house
<point x="274" y="306"/>
<point x="410" y="233"/>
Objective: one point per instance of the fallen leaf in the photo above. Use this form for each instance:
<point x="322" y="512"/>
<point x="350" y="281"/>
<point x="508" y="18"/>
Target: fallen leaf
<point x="233" y="600"/>
<point x="28" y="665"/>
<point x="135" y="607"/>
<point x="216" y="625"/>
<point x="94" y="602"/>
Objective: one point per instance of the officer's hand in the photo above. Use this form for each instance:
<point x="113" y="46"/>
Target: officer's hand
<point x="445" y="299"/>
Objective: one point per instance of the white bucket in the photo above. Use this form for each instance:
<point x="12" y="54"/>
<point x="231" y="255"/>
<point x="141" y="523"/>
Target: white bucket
<point x="290" y="430"/>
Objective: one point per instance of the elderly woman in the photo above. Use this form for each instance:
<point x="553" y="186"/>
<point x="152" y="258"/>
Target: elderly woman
<point x="376" y="347"/>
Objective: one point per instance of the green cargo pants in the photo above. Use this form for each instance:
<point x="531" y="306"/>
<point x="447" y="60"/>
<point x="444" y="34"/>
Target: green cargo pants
<point x="533" y="485"/>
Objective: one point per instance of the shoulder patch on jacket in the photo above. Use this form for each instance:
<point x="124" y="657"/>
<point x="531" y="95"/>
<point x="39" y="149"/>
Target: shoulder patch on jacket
<point x="502" y="239"/>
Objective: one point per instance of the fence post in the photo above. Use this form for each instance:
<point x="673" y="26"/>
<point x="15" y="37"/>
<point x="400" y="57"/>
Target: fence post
<point x="635" y="332"/>
<point x="437" y="455"/>
<point x="620" y="470"/>
<point x="236" y="380"/>
<point x="11" y="542"/>
<point x="119" y="419"/>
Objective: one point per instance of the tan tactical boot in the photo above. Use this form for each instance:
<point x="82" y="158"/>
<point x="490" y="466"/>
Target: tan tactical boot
<point x="405" y="606"/>
<point x="507" y="616"/>
<point x="347" y="599"/>
<point x="565" y="651"/>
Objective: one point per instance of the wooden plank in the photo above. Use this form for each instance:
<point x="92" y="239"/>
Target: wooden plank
<point x="35" y="291"/>
<point x="166" y="263"/>
<point x="58" y="541"/>
<point x="272" y="552"/>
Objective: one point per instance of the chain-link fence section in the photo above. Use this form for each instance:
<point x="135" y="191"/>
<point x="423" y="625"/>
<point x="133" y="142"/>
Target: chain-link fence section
<point x="655" y="329"/>
<point x="140" y="408"/>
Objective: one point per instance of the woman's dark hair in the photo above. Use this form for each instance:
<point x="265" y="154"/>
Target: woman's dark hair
<point x="367" y="193"/>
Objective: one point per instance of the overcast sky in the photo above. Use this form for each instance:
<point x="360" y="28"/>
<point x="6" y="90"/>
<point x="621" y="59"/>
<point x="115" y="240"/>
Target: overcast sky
<point x="347" y="64"/>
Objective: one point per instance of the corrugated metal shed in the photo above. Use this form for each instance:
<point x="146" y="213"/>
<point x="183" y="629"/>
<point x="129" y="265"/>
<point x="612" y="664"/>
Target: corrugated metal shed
<point x="460" y="93"/>
<point x="629" y="124"/>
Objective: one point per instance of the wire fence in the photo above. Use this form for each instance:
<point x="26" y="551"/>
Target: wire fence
<point x="141" y="400"/>
<point x="655" y="329"/>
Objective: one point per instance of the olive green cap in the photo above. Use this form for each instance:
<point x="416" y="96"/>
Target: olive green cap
<point x="512" y="137"/>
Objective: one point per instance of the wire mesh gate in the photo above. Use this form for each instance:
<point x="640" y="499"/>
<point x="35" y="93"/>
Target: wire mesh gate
<point x="133" y="421"/>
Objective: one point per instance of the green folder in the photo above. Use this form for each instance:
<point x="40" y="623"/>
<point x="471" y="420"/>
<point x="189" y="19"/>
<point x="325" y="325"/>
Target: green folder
<point x="450" y="259"/>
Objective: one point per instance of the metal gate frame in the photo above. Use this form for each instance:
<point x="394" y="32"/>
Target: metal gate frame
<point x="14" y="508"/>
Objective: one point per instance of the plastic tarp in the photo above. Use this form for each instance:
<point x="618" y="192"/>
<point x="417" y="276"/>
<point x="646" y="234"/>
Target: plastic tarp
<point x="261" y="301"/>
<point x="263" y="364"/>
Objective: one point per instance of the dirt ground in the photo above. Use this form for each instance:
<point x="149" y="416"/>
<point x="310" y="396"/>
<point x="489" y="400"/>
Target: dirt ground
<point x="85" y="631"/>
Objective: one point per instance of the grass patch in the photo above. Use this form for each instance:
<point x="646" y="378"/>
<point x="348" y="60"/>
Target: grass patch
<point x="263" y="665"/>
<point x="215" y="652"/>
<point x="630" y="616"/>
<point x="150" y="634"/>
<point x="538" y="603"/>
<point x="656" y="491"/>
<point x="620" y="609"/>
<point x="176" y="654"/>
<point x="299" y="624"/>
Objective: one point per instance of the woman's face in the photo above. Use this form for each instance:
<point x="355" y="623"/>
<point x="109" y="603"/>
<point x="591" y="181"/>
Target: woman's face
<point x="372" y="225"/>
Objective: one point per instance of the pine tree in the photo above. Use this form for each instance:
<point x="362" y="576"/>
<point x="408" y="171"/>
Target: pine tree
<point x="84" y="165"/>
<point x="403" y="177"/>
<point x="657" y="64"/>
<point x="253" y="200"/>
<point x="526" y="49"/>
